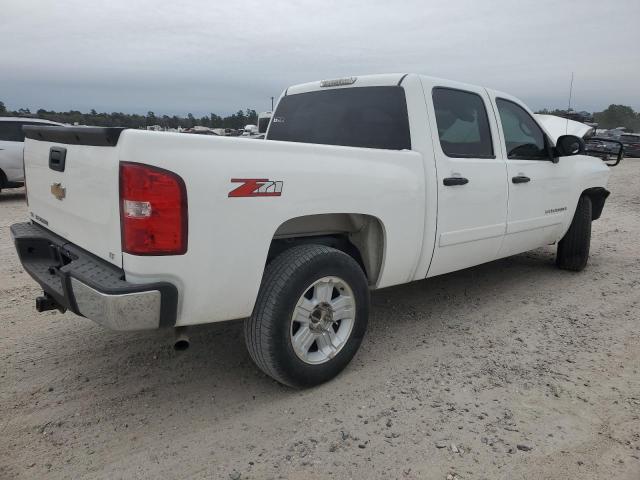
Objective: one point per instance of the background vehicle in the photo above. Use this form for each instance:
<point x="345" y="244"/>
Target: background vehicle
<point x="11" y="145"/>
<point x="557" y="126"/>
<point x="250" y="130"/>
<point x="605" y="148"/>
<point x="263" y="121"/>
<point x="363" y="183"/>
<point x="631" y="142"/>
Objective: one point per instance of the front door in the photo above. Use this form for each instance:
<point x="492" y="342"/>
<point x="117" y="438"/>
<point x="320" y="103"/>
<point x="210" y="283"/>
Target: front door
<point x="472" y="182"/>
<point x="539" y="189"/>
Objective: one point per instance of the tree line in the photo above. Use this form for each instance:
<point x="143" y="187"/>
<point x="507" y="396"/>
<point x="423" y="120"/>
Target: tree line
<point x="612" y="117"/>
<point x="133" y="120"/>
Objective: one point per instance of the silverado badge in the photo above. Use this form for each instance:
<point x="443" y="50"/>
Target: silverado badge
<point x="58" y="191"/>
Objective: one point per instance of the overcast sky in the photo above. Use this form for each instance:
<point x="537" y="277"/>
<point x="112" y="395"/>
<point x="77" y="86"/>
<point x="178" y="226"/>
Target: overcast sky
<point x="214" y="56"/>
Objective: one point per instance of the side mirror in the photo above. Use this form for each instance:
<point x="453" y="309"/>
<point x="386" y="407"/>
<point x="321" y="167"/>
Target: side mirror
<point x="568" y="145"/>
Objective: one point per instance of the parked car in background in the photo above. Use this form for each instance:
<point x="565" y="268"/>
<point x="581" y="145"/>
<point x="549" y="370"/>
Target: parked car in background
<point x="558" y="126"/>
<point x="200" y="130"/>
<point x="250" y="130"/>
<point x="609" y="150"/>
<point x="631" y="142"/>
<point x="11" y="146"/>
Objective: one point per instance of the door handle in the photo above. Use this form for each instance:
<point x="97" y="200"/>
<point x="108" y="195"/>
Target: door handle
<point x="520" y="179"/>
<point x="450" y="181"/>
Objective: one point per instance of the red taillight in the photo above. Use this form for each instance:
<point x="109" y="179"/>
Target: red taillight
<point x="153" y="210"/>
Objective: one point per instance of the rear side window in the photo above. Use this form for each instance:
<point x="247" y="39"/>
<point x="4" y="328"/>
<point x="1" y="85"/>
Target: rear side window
<point x="370" y="117"/>
<point x="524" y="138"/>
<point x="11" y="132"/>
<point x="463" y="124"/>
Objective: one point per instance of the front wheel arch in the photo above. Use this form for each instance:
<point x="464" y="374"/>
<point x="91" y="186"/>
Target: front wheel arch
<point x="597" y="195"/>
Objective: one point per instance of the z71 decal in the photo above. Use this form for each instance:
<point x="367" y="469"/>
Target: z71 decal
<point x="256" y="187"/>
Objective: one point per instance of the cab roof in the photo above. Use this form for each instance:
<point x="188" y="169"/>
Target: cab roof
<point x="378" y="80"/>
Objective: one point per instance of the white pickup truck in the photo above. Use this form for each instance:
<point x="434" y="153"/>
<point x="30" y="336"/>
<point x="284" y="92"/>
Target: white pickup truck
<point x="361" y="183"/>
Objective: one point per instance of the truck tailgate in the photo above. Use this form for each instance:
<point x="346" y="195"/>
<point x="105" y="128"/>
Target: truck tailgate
<point x="73" y="186"/>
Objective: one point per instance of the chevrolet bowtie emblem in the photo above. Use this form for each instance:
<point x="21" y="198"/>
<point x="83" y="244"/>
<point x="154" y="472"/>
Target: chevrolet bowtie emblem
<point x="58" y="191"/>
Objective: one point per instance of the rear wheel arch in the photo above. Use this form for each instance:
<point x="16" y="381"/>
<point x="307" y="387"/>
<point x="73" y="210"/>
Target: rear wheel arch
<point x="361" y="236"/>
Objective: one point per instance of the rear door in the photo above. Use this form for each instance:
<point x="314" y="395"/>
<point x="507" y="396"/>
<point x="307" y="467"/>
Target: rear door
<point x="472" y="185"/>
<point x="539" y="190"/>
<point x="78" y="200"/>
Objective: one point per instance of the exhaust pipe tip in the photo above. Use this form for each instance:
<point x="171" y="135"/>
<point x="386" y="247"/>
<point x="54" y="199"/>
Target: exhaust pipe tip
<point x="181" y="342"/>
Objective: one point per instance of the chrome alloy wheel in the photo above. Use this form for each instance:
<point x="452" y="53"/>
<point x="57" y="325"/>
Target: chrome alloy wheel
<point x="322" y="320"/>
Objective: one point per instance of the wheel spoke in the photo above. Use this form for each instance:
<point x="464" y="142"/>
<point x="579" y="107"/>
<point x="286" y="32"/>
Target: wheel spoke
<point x="303" y="339"/>
<point x="322" y="291"/>
<point x="328" y="343"/>
<point x="303" y="311"/>
<point x="342" y="307"/>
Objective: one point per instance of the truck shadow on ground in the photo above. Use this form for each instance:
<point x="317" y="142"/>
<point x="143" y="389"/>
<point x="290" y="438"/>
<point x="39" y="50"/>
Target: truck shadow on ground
<point x="218" y="366"/>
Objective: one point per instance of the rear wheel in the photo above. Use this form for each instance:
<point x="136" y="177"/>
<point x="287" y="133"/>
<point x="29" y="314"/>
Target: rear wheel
<point x="310" y="315"/>
<point x="573" y="249"/>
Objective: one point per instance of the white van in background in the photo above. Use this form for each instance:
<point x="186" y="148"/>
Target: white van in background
<point x="11" y="145"/>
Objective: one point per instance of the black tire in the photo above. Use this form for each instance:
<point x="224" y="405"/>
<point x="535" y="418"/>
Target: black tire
<point x="573" y="249"/>
<point x="268" y="330"/>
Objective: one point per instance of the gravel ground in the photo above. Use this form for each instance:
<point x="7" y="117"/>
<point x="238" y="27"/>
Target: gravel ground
<point x="513" y="369"/>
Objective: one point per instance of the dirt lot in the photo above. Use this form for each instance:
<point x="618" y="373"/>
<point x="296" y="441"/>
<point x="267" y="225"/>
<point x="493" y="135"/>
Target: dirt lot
<point x="509" y="370"/>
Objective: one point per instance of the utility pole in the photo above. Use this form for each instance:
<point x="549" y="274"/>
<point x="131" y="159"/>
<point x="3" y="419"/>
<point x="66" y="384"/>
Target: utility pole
<point x="272" y="104"/>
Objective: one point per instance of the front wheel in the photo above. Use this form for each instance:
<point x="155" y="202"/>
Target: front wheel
<point x="573" y="249"/>
<point x="310" y="316"/>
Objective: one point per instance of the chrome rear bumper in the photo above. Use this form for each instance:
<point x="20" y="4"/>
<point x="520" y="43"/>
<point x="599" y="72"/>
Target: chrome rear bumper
<point x="75" y="280"/>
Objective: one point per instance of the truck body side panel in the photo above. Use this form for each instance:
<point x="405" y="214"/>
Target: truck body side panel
<point x="229" y="237"/>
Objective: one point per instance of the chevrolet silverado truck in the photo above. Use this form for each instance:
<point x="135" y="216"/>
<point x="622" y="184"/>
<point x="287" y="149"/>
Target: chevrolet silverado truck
<point x="361" y="183"/>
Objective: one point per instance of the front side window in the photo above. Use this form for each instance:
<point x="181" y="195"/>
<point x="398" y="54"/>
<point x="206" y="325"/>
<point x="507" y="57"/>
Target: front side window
<point x="524" y="139"/>
<point x="11" y="132"/>
<point x="371" y="117"/>
<point x="463" y="124"/>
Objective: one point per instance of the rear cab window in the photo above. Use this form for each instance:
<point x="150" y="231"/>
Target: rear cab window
<point x="463" y="123"/>
<point x="368" y="117"/>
